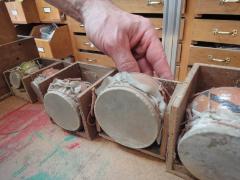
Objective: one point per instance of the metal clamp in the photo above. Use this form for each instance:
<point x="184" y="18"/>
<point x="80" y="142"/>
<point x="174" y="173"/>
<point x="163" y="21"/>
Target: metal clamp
<point x="89" y="60"/>
<point x="90" y="44"/>
<point x="152" y="3"/>
<point x="226" y="60"/>
<point x="234" y="32"/>
<point x="222" y="2"/>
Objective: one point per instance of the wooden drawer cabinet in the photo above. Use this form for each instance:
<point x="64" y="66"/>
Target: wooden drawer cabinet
<point x="82" y="42"/>
<point x="219" y="31"/>
<point x="58" y="46"/>
<point x="217" y="56"/>
<point x="140" y="6"/>
<point x="217" y="7"/>
<point x="95" y="59"/>
<point x="75" y="25"/>
<point x="158" y="25"/>
<point x="48" y="13"/>
<point x="8" y="33"/>
<point x="23" y="12"/>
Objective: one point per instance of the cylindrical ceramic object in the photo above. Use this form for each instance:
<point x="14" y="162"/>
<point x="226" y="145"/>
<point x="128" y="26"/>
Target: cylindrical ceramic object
<point x="62" y="105"/>
<point x="129" y="108"/>
<point x="210" y="147"/>
<point x="15" y="78"/>
<point x="41" y="77"/>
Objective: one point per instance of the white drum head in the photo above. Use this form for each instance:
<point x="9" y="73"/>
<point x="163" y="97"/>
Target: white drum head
<point x="15" y="79"/>
<point x="211" y="152"/>
<point x="128" y="116"/>
<point x="63" y="110"/>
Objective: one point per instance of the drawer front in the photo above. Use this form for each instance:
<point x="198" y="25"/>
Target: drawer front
<point x="217" y="7"/>
<point x="217" y="56"/>
<point x="48" y="13"/>
<point x="16" y="12"/>
<point x="44" y="48"/>
<point x="158" y="24"/>
<point x="75" y="26"/>
<point x="140" y="6"/>
<point x="95" y="59"/>
<point x="82" y="42"/>
<point x="219" y="31"/>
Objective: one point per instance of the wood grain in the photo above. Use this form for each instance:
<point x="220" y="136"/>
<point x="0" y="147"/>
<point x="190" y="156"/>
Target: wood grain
<point x="215" y="7"/>
<point x="203" y="31"/>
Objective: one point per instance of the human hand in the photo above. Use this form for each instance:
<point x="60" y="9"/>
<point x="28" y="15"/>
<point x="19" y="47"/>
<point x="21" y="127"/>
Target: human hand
<point x="129" y="39"/>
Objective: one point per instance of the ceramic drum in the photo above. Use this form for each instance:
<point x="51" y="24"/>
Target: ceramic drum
<point x="61" y="102"/>
<point x="130" y="108"/>
<point x="210" y="147"/>
<point x="40" y="78"/>
<point x="16" y="75"/>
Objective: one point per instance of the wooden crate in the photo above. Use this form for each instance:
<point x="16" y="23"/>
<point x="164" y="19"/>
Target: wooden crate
<point x="48" y="13"/>
<point x="59" y="46"/>
<point x="94" y="74"/>
<point x="8" y="33"/>
<point x="23" y="12"/>
<point x="13" y="54"/>
<point x="201" y="77"/>
<point x="155" y="150"/>
<point x="26" y="92"/>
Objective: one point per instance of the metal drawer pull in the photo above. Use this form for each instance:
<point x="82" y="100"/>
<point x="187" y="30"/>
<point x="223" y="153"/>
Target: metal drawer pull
<point x="152" y="3"/>
<point x="81" y="25"/>
<point x="228" y="1"/>
<point x="89" y="60"/>
<point x="227" y="60"/>
<point x="158" y="28"/>
<point x="91" y="45"/>
<point x="233" y="33"/>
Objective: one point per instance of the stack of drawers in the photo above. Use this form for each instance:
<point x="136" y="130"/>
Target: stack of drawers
<point x="85" y="51"/>
<point x="212" y="34"/>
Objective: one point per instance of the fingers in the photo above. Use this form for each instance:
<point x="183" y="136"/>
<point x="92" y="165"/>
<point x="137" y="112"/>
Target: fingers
<point x="124" y="60"/>
<point x="157" y="58"/>
<point x="145" y="67"/>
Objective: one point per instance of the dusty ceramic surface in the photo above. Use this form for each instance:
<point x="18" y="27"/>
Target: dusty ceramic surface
<point x="210" y="147"/>
<point x="62" y="105"/>
<point x="129" y="108"/>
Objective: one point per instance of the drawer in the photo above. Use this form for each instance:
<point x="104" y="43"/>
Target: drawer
<point x="219" y="31"/>
<point x="82" y="42"/>
<point x="48" y="13"/>
<point x="158" y="24"/>
<point x="75" y="26"/>
<point x="217" y="56"/>
<point x="23" y="12"/>
<point x="59" y="46"/>
<point x="140" y="6"/>
<point x="95" y="59"/>
<point x="8" y="33"/>
<point x="217" y="7"/>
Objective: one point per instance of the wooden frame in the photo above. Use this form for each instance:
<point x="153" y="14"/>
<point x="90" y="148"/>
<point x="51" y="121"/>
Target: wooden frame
<point x="155" y="150"/>
<point x="26" y="92"/>
<point x="12" y="54"/>
<point x="200" y="78"/>
<point x="94" y="74"/>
